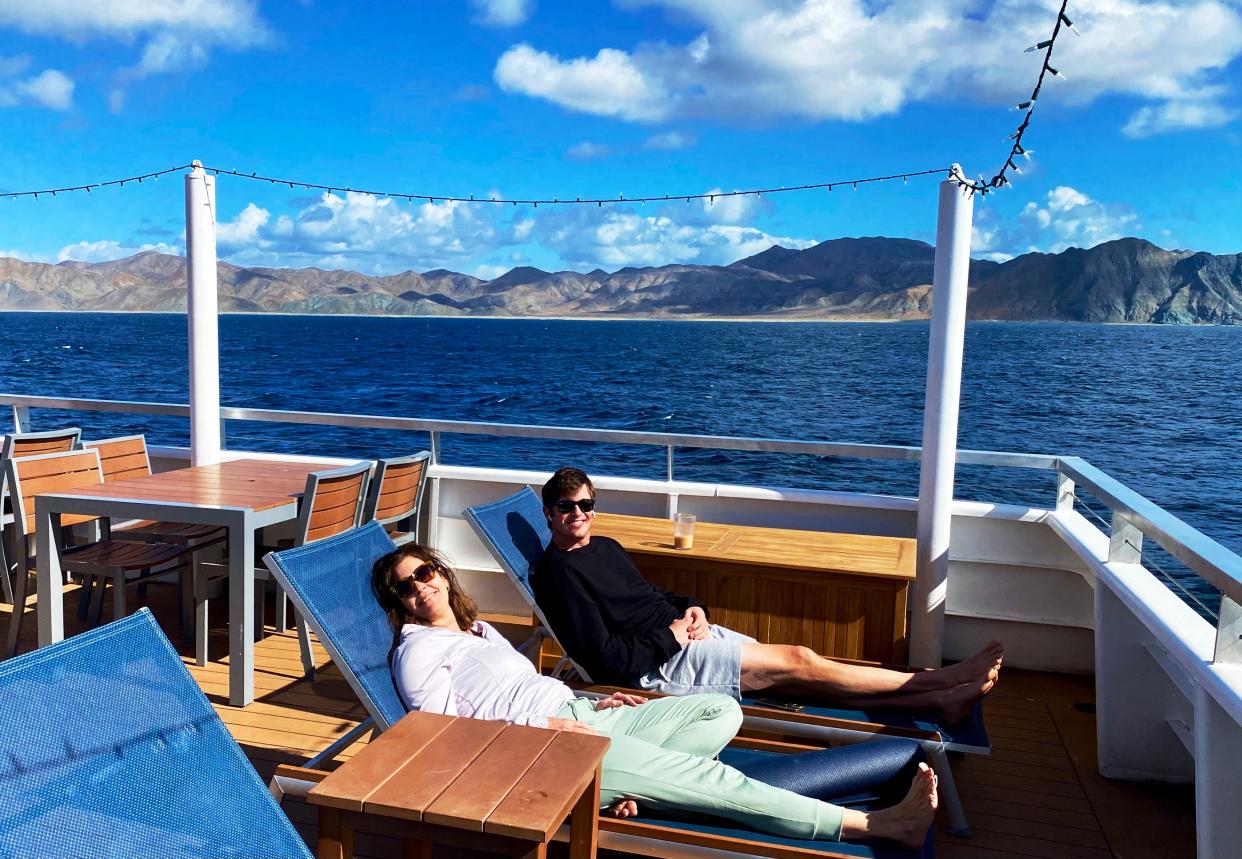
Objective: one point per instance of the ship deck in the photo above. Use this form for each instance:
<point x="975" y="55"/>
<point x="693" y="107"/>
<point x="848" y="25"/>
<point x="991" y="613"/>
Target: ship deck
<point x="1037" y="795"/>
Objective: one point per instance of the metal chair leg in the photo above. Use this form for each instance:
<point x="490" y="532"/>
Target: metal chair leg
<point x="97" y="599"/>
<point x="6" y="581"/>
<point x="84" y="602"/>
<point x="308" y="660"/>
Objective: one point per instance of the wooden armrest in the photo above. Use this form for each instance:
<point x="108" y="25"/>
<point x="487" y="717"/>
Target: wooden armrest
<point x="300" y="773"/>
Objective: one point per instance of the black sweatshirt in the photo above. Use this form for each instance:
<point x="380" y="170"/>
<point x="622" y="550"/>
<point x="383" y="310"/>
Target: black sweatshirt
<point x="611" y="620"/>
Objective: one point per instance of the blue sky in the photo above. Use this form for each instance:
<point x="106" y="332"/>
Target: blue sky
<point x="534" y="98"/>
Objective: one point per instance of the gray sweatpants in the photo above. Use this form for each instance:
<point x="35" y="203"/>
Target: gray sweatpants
<point x="662" y="756"/>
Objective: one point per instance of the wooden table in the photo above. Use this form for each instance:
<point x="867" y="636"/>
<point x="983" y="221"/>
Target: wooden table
<point x="465" y="783"/>
<point x="839" y="594"/>
<point x="243" y="496"/>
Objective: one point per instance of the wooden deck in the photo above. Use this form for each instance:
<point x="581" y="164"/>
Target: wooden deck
<point x="1037" y="795"/>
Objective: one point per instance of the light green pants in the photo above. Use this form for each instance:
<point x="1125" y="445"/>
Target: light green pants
<point x="662" y="757"/>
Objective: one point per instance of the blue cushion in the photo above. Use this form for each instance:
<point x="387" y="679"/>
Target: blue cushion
<point x="109" y="748"/>
<point x="330" y="581"/>
<point x="866" y="776"/>
<point x="969" y="735"/>
<point x="516" y="532"/>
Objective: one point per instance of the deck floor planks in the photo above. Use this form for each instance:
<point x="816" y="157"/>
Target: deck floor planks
<point x="1036" y="797"/>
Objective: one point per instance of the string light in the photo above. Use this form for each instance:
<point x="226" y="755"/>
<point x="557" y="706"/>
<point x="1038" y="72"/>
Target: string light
<point x="976" y="186"/>
<point x="88" y="188"/>
<point x="1000" y="180"/>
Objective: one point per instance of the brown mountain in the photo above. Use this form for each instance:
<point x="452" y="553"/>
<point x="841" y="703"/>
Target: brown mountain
<point x="1128" y="280"/>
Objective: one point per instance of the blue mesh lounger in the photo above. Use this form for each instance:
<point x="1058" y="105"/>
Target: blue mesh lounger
<point x="329" y="583"/>
<point x="109" y="748"/>
<point x="515" y="531"/>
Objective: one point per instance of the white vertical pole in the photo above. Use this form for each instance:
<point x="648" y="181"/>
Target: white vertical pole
<point x="940" y="408"/>
<point x="200" y="263"/>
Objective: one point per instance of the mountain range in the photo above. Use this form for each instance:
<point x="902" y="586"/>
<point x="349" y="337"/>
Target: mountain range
<point x="1127" y="280"/>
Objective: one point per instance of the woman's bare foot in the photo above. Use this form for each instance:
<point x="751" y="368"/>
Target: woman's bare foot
<point x="987" y="659"/>
<point x="906" y="822"/>
<point x="956" y="703"/>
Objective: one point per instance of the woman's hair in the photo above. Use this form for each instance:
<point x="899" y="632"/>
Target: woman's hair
<point x="465" y="609"/>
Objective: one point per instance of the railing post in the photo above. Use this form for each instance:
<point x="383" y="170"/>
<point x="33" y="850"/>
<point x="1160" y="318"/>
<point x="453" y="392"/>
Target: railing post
<point x="201" y="310"/>
<point x="940" y="409"/>
<point x="1065" y="492"/>
<point x="1125" y="542"/>
<point x="21" y="419"/>
<point x="669" y="469"/>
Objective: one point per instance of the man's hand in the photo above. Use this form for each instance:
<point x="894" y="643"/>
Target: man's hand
<point x="699" y="627"/>
<point x="573" y="725"/>
<point x="681" y="631"/>
<point x="619" y="699"/>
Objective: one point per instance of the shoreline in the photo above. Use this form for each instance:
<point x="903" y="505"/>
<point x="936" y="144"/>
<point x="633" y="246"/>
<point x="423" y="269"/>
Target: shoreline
<point x="832" y="320"/>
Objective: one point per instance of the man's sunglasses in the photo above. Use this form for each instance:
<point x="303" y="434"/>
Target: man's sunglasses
<point x="586" y="505"/>
<point x="405" y="587"/>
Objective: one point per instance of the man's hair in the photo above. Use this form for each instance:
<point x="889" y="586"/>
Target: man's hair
<point x="566" y="481"/>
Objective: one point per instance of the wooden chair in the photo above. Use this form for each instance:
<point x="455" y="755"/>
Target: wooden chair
<point x="113" y="559"/>
<point x="15" y="445"/>
<point x="331" y="504"/>
<point x="125" y="458"/>
<point x="396" y="496"/>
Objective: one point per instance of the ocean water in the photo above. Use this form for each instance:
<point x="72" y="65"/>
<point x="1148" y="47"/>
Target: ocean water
<point x="1157" y="407"/>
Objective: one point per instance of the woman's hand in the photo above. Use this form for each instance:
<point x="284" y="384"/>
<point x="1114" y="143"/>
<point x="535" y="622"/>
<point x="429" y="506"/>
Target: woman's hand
<point x="573" y="725"/>
<point x="623" y="808"/>
<point x="619" y="699"/>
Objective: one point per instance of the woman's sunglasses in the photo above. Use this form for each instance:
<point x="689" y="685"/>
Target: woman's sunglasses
<point x="586" y="505"/>
<point x="405" y="587"/>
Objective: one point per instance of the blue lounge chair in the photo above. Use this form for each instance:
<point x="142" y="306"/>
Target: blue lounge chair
<point x="329" y="583"/>
<point x="515" y="530"/>
<point x="109" y="748"/>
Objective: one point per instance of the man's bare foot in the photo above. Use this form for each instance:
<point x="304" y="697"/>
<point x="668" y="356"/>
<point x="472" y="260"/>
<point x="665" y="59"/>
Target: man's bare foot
<point x="907" y="822"/>
<point x="956" y="703"/>
<point x="622" y="808"/>
<point x="990" y="657"/>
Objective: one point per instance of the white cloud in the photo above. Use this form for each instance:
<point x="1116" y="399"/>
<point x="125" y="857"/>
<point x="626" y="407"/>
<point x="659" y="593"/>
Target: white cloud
<point x="50" y="88"/>
<point x="608" y="84"/>
<point x="854" y="59"/>
<point x="1066" y="218"/>
<point x="587" y="151"/>
<point x="613" y="238"/>
<point x="107" y="250"/>
<point x="360" y="232"/>
<point x="1187" y="112"/>
<point x="487" y="271"/>
<point x="1069" y="218"/>
<point x="236" y="20"/>
<point x="502" y="13"/>
<point x="174" y="34"/>
<point x="670" y="140"/>
<point x="727" y="210"/>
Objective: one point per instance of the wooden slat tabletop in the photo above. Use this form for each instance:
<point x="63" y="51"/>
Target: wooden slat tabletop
<point x="253" y="483"/>
<point x="817" y="551"/>
<point x="470" y="774"/>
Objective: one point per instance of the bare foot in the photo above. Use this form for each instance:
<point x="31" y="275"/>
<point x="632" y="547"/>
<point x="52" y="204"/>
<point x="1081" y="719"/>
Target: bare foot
<point x="622" y="808"/>
<point x="907" y="822"/>
<point x="956" y="703"/>
<point x="991" y="656"/>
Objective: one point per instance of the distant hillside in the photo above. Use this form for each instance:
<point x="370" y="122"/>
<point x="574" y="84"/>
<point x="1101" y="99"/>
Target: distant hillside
<point x="1128" y="280"/>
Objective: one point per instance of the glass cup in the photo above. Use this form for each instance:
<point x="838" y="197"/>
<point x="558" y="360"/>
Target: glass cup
<point x="683" y="530"/>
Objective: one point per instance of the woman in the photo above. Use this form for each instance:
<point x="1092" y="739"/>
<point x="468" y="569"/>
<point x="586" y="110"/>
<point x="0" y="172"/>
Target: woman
<point x="662" y="752"/>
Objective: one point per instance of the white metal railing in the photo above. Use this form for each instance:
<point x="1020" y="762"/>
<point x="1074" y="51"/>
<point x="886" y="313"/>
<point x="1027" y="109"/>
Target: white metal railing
<point x="1133" y="516"/>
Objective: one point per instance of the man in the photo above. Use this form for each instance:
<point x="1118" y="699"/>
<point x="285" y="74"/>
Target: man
<point x="623" y="630"/>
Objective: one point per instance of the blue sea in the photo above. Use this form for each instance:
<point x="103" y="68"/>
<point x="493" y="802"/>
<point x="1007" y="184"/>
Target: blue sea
<point x="1157" y="407"/>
